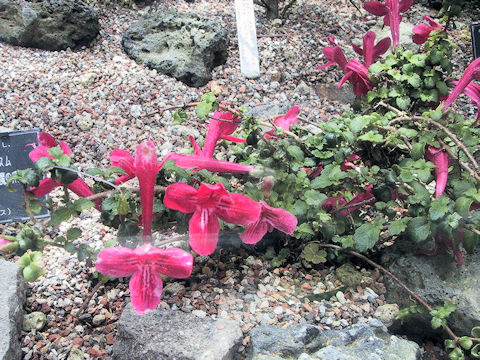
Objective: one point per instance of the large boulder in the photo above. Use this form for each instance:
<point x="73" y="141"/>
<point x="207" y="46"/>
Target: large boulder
<point x="48" y="24"/>
<point x="167" y="334"/>
<point x="12" y="298"/>
<point x="185" y="46"/>
<point x="436" y="279"/>
<point x="308" y="342"/>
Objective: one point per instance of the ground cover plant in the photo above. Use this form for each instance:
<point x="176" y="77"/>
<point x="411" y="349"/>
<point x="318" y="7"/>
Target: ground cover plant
<point x="403" y="167"/>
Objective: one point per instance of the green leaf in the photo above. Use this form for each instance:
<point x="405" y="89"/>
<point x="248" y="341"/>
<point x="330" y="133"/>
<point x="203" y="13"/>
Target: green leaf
<point x="465" y="342"/>
<point x="415" y="80"/>
<point x="83" y="252"/>
<point x="418" y="229"/>
<point x="371" y="137"/>
<point x="331" y="175"/>
<point x="70" y="247"/>
<point x="179" y="116"/>
<point x="377" y="68"/>
<point x="436" y="322"/>
<point x="32" y="272"/>
<point x="359" y="123"/>
<point x="456" y="354"/>
<point x="398" y="226"/>
<point x="209" y="97"/>
<point x="449" y="344"/>
<point x="315" y="198"/>
<point x="475" y="352"/>
<point x="366" y="236"/>
<point x="60" y="215"/>
<point x="56" y="151"/>
<point x="403" y="102"/>
<point x="203" y="109"/>
<point x="24" y="260"/>
<point x="295" y="152"/>
<point x="82" y="204"/>
<point x="314" y="254"/>
<point x="439" y="208"/>
<point x="475" y="332"/>
<point x="43" y="162"/>
<point x="418" y="60"/>
<point x="418" y="151"/>
<point x="95" y="172"/>
<point x="73" y="233"/>
<point x="462" y="206"/>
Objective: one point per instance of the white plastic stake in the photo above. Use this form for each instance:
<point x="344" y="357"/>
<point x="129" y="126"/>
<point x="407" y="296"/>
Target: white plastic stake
<point x="247" y="38"/>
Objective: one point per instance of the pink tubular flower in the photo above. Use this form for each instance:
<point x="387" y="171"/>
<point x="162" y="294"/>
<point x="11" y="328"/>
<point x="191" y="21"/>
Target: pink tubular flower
<point x="45" y="142"/>
<point x="269" y="219"/>
<point x="421" y="32"/>
<point x="284" y="122"/>
<point x="472" y="73"/>
<point x="201" y="162"/>
<point x="440" y="158"/>
<point x="146" y="168"/>
<point x="472" y="90"/>
<point x="370" y="51"/>
<point x="221" y="126"/>
<point x="4" y="242"/>
<point x="209" y="203"/>
<point x="124" y="160"/>
<point x="144" y="265"/>
<point x="391" y="14"/>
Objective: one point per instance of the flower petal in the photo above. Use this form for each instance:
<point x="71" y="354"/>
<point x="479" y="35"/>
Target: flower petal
<point x="376" y="8"/>
<point x="440" y="158"/>
<point x="173" y="262"/>
<point x="405" y="5"/>
<point x="80" y="188"/>
<point x="45" y="186"/>
<point x="145" y="289"/>
<point x="66" y="149"/>
<point x="202" y="162"/>
<point x="117" y="261"/>
<point x="238" y="209"/>
<point x="203" y="231"/>
<point x="38" y="152"/>
<point x="45" y="139"/>
<point x="181" y="197"/>
<point x="254" y="232"/>
<point x="279" y="218"/>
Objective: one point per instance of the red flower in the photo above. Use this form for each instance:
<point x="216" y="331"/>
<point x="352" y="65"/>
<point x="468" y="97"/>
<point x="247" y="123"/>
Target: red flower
<point x="391" y="14"/>
<point x="45" y="142"/>
<point x="421" y="32"/>
<point x="124" y="160"/>
<point x="370" y="51"/>
<point x="209" y="203"/>
<point x="284" y="122"/>
<point x="7" y="244"/>
<point x="440" y="158"/>
<point x="269" y="219"/>
<point x="144" y="265"/>
<point x="472" y="73"/>
<point x="202" y="162"/>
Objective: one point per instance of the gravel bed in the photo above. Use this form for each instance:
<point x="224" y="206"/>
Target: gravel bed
<point x="98" y="99"/>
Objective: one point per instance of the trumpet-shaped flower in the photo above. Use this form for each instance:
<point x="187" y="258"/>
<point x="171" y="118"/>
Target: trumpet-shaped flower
<point x="472" y="90"/>
<point x="125" y="161"/>
<point x="391" y="14"/>
<point x="421" y="32"/>
<point x="471" y="73"/>
<point x="269" y="219"/>
<point x="370" y="51"/>
<point x="440" y="158"/>
<point x="45" y="142"/>
<point x="144" y="265"/>
<point x="209" y="203"/>
<point x="221" y="126"/>
<point x="201" y="162"/>
<point x="284" y="122"/>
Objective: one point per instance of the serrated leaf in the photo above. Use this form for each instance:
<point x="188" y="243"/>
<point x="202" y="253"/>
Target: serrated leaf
<point x="418" y="229"/>
<point x="371" y="137"/>
<point x="60" y="215"/>
<point x="456" y="354"/>
<point x="366" y="236"/>
<point x="24" y="260"/>
<point x="73" y="233"/>
<point x="415" y="80"/>
<point x="315" y="198"/>
<point x="60" y="239"/>
<point x="462" y="206"/>
<point x="418" y="151"/>
<point x="403" y="102"/>
<point x="203" y="109"/>
<point x="94" y="172"/>
<point x="465" y="342"/>
<point x="398" y="226"/>
<point x="209" y="97"/>
<point x="82" y="204"/>
<point x="43" y="162"/>
<point x="436" y="322"/>
<point x="70" y="247"/>
<point x="55" y="151"/>
<point x="331" y="175"/>
<point x="32" y="272"/>
<point x="359" y="123"/>
<point x="179" y="117"/>
<point x="295" y="152"/>
<point x="438" y="208"/>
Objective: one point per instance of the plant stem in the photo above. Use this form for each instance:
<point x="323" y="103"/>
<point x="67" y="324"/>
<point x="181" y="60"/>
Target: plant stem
<point x="89" y="297"/>
<point x="397" y="280"/>
<point x="104" y="194"/>
<point x="96" y="178"/>
<point x="364" y="202"/>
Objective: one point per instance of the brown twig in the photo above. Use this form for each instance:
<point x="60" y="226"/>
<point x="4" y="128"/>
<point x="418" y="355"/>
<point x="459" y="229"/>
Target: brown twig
<point x="364" y="202"/>
<point x="397" y="280"/>
<point x="173" y="107"/>
<point x="89" y="297"/>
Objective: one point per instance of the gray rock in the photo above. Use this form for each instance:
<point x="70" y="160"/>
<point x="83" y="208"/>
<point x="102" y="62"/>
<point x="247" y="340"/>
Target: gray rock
<point x="436" y="279"/>
<point x="406" y="32"/>
<point x="76" y="354"/>
<point x="12" y="298"/>
<point x="84" y="121"/>
<point x="185" y="46"/>
<point x="166" y="334"/>
<point x="307" y="342"/>
<point x="348" y="275"/>
<point x="387" y="313"/>
<point x="35" y="320"/>
<point x="269" y="110"/>
<point x="330" y="92"/>
<point x="48" y="24"/>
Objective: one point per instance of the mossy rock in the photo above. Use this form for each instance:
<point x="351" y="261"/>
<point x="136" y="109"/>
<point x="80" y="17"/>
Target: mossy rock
<point x="348" y="275"/>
